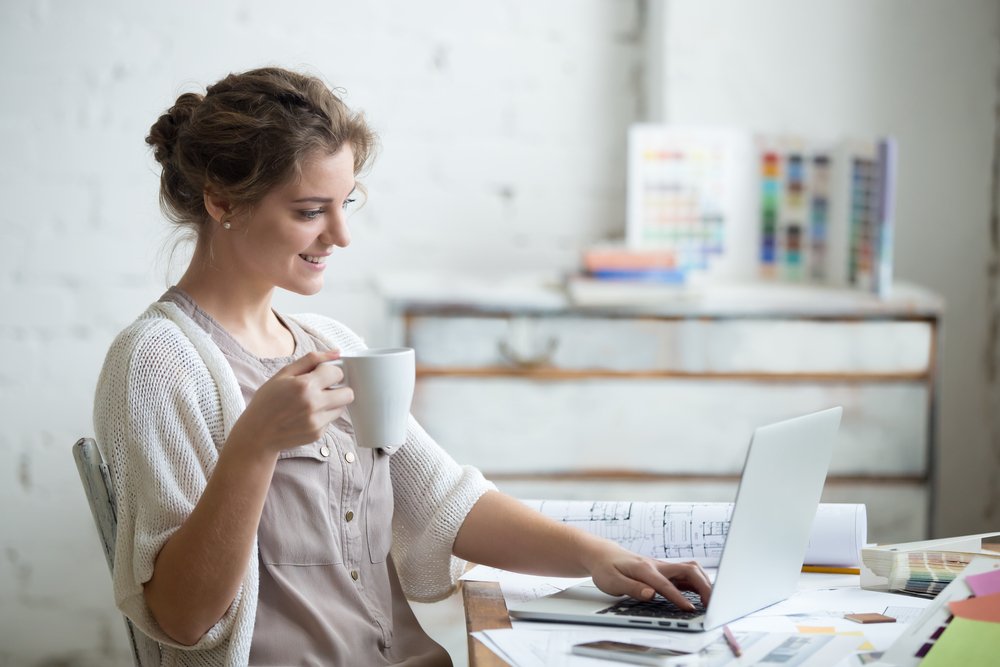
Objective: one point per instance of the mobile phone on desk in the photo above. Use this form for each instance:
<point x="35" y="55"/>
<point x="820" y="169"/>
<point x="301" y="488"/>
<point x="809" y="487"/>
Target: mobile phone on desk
<point x="635" y="653"/>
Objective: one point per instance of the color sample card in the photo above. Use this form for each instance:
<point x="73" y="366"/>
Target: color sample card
<point x="864" y="221"/>
<point x="871" y="201"/>
<point x="795" y="198"/>
<point x="795" y="190"/>
<point x="680" y="184"/>
<point x="986" y="583"/>
<point x="770" y="183"/>
<point x="825" y="211"/>
<point x="871" y="617"/>
<point x="819" y="216"/>
<point x="967" y="643"/>
<point x="979" y="608"/>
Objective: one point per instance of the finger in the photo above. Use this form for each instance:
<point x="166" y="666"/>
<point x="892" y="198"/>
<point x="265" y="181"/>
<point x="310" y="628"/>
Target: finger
<point x="306" y="363"/>
<point x="330" y="416"/>
<point x="327" y="375"/>
<point x="705" y="579"/>
<point x="667" y="589"/>
<point x="334" y="399"/>
<point x="330" y="406"/>
<point x="644" y="578"/>
<point x="632" y="586"/>
<point x="689" y="576"/>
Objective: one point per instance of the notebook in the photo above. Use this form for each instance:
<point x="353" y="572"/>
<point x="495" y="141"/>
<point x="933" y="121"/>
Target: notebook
<point x="776" y="502"/>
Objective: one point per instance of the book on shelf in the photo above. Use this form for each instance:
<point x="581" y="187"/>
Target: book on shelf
<point x="615" y="274"/>
<point x="922" y="568"/>
<point x="616" y="256"/>
<point x="591" y="290"/>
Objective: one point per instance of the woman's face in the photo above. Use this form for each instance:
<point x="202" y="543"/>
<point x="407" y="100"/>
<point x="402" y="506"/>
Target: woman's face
<point x="286" y="240"/>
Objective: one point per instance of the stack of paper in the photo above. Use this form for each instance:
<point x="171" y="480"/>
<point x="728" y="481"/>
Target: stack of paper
<point x="920" y="568"/>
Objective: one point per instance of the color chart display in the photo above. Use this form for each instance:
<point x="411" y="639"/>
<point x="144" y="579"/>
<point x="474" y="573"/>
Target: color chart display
<point x="872" y="185"/>
<point x="826" y="213"/>
<point x="795" y="192"/>
<point x="681" y="190"/>
<point x="713" y="203"/>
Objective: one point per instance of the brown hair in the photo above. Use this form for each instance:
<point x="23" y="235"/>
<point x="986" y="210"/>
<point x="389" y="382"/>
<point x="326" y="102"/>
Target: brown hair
<point x="249" y="133"/>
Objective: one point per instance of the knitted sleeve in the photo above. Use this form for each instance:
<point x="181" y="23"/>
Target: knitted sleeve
<point x="432" y="494"/>
<point x="158" y="421"/>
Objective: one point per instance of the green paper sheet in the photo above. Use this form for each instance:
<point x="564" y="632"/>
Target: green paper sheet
<point x="966" y="643"/>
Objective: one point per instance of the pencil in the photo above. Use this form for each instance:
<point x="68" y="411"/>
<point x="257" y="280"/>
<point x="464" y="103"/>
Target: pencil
<point x="731" y="640"/>
<point x="822" y="569"/>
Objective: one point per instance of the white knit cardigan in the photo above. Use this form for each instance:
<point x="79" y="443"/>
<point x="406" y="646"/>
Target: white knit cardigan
<point x="166" y="401"/>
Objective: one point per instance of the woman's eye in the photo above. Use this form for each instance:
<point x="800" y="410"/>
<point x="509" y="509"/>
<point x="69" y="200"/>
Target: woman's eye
<point x="348" y="202"/>
<point x="312" y="214"/>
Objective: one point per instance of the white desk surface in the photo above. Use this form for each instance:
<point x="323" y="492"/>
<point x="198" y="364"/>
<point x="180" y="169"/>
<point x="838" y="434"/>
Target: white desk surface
<point x="817" y="609"/>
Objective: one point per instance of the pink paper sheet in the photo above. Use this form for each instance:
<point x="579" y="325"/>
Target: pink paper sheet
<point x="984" y="583"/>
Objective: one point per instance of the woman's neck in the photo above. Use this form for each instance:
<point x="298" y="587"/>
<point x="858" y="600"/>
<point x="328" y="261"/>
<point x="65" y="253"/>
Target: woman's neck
<point x="242" y="311"/>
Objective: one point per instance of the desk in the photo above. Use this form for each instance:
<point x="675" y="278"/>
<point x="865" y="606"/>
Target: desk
<point x="485" y="609"/>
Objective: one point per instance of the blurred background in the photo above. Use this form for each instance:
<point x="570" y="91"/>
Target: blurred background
<point x="503" y="128"/>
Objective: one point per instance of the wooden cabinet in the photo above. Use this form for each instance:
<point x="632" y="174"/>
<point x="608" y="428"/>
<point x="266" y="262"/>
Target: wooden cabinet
<point x="658" y="401"/>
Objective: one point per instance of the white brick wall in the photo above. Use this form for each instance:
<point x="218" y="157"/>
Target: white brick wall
<point x="502" y="127"/>
<point x="925" y="72"/>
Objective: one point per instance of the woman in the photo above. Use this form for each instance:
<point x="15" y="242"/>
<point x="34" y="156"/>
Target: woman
<point x="251" y="529"/>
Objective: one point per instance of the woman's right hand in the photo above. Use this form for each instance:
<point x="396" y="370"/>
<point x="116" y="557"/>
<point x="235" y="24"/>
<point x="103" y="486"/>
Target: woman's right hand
<point x="199" y="570"/>
<point x="296" y="405"/>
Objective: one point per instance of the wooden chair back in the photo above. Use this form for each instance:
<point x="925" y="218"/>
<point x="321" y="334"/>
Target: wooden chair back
<point x="100" y="492"/>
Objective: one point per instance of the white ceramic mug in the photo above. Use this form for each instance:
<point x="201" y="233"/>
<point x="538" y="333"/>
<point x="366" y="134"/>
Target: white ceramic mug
<point x="382" y="380"/>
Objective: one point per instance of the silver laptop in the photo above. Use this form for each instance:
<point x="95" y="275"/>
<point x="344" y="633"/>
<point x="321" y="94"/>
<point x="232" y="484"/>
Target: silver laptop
<point x="776" y="503"/>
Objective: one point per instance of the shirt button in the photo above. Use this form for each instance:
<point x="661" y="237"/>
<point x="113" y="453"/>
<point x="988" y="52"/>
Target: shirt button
<point x="354" y="575"/>
<point x="349" y="456"/>
<point x="324" y="450"/>
<point x="349" y="515"/>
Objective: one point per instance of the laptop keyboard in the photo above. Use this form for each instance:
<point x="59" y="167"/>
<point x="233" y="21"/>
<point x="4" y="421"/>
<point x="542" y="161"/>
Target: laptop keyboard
<point x="658" y="607"/>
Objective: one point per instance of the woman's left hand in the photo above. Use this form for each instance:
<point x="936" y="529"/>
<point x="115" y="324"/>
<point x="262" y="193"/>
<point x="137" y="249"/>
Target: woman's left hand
<point x="617" y="571"/>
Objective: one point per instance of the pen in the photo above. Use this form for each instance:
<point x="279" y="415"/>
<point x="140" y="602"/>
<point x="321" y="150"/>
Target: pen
<point x="831" y="570"/>
<point x="731" y="640"/>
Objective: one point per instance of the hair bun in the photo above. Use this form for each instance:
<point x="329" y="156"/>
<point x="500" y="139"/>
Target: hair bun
<point x="163" y="134"/>
<point x="246" y="135"/>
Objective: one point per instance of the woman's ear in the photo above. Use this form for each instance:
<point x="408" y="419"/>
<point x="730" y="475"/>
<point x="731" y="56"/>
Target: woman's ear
<point x="218" y="208"/>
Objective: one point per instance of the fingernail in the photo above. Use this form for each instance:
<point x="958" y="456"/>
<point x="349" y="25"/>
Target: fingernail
<point x="647" y="593"/>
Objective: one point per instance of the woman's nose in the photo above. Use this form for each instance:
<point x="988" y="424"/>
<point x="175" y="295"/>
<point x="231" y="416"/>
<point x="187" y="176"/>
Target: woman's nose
<point x="337" y="232"/>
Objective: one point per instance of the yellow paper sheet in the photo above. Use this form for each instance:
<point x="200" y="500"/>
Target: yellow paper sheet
<point x="966" y="643"/>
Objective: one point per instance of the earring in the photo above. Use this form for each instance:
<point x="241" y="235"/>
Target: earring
<point x="226" y="225"/>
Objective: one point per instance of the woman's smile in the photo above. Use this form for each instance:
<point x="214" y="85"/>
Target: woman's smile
<point x="317" y="262"/>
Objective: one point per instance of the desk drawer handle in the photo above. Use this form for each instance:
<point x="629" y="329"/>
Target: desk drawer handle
<point x="518" y="359"/>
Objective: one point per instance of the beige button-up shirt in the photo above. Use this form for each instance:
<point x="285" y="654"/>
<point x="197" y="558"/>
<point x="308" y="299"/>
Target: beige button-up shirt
<point x="329" y="593"/>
